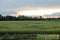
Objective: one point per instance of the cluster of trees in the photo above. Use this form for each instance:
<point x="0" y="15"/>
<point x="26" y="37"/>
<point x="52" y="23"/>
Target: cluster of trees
<point x="24" y="18"/>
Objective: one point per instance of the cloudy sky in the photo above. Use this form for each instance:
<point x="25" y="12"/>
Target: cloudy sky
<point x="14" y="6"/>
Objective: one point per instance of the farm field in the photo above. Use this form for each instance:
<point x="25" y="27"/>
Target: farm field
<point x="30" y="26"/>
<point x="50" y="28"/>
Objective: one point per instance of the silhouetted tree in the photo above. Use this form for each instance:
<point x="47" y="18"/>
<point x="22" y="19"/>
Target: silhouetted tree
<point x="0" y="17"/>
<point x="22" y="17"/>
<point x="10" y="18"/>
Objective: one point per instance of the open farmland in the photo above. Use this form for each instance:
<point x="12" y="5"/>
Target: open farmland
<point x="31" y="27"/>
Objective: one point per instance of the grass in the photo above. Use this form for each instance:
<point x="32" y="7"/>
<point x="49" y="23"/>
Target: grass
<point x="48" y="37"/>
<point x="30" y="26"/>
<point x="42" y="27"/>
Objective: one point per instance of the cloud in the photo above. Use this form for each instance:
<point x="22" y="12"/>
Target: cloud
<point x="23" y="3"/>
<point x="14" y="4"/>
<point x="7" y="12"/>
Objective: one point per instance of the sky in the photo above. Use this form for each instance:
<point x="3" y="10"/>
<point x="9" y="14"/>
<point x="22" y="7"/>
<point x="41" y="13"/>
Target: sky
<point x="29" y="7"/>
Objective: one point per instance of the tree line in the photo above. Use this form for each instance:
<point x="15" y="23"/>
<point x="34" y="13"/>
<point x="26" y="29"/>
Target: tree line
<point x="24" y="18"/>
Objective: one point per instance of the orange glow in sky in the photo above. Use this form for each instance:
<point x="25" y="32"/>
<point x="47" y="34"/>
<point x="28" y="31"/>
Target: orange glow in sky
<point x="38" y="12"/>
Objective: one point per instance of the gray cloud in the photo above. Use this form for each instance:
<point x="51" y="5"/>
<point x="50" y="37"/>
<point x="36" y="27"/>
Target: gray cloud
<point x="7" y="12"/>
<point x="21" y="3"/>
<point x="7" y="4"/>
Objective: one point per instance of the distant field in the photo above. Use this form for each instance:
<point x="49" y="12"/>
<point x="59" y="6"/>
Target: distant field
<point x="30" y="26"/>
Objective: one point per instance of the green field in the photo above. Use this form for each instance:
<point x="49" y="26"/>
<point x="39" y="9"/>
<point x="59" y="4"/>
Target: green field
<point x="51" y="28"/>
<point x="30" y="26"/>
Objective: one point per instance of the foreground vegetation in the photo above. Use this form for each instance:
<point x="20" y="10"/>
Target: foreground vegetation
<point x="43" y="30"/>
<point x="29" y="37"/>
